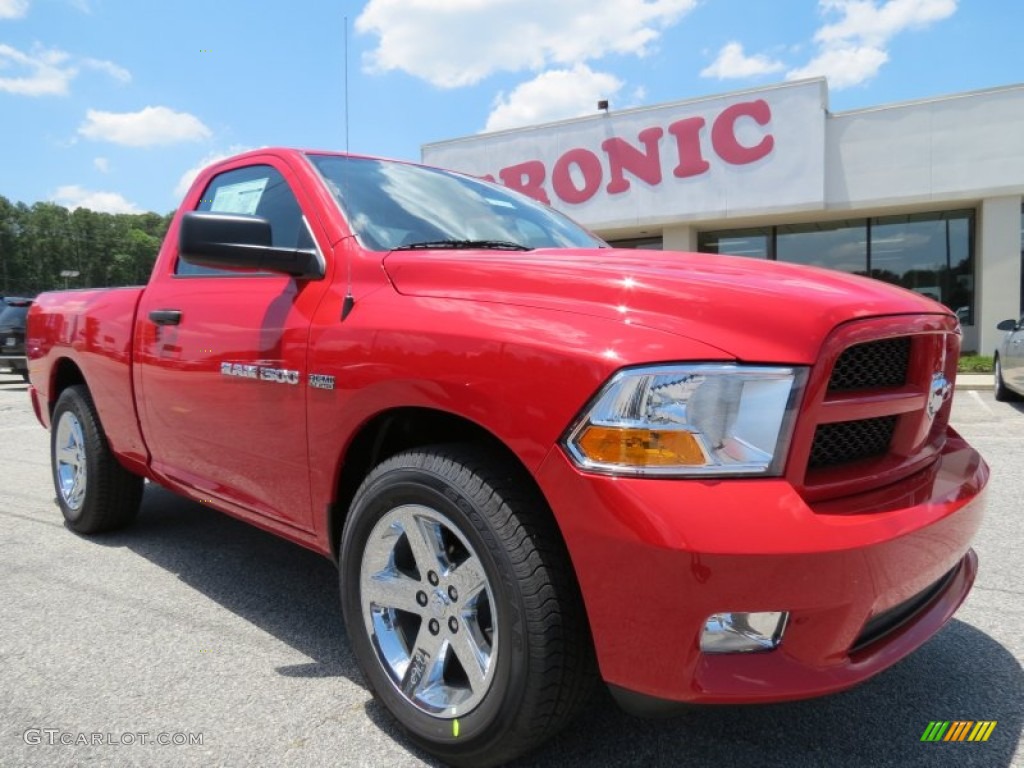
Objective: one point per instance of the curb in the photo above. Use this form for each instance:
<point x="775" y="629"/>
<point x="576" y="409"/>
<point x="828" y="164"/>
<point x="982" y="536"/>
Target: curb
<point x="975" y="381"/>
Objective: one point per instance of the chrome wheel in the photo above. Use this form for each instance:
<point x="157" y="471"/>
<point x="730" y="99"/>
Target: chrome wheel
<point x="429" y="611"/>
<point x="69" y="449"/>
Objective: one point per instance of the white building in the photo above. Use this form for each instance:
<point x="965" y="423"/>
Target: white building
<point x="925" y="194"/>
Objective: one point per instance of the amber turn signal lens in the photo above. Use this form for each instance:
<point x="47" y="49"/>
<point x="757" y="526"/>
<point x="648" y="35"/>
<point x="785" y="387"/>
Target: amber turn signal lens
<point x="641" y="447"/>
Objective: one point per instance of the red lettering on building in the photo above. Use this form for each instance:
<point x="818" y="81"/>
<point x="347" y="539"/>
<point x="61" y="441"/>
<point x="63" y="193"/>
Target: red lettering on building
<point x="691" y="161"/>
<point x="577" y="174"/>
<point x="723" y="133"/>
<point x="589" y="167"/>
<point x="527" y="178"/>
<point x="623" y="156"/>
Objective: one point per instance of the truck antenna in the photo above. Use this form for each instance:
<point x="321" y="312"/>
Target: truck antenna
<point x="346" y="85"/>
<point x="350" y="301"/>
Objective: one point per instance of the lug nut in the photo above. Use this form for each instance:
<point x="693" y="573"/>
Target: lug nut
<point x="453" y="625"/>
<point x="434" y="627"/>
<point x="453" y="595"/>
<point x="421" y="598"/>
<point x="432" y="578"/>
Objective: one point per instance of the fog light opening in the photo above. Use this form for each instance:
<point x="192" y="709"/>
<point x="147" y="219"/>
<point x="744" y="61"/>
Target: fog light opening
<point x="743" y="632"/>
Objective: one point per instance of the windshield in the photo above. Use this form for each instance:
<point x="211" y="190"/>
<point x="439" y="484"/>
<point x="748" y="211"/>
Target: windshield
<point x="13" y="316"/>
<point x="391" y="205"/>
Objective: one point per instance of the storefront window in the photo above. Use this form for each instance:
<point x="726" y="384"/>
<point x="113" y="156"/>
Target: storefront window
<point x="931" y="253"/>
<point x="841" y="245"/>
<point x="927" y="253"/>
<point x="755" y="243"/>
<point x="646" y="243"/>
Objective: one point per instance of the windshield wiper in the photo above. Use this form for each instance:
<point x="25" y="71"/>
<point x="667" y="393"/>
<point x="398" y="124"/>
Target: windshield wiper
<point x="496" y="245"/>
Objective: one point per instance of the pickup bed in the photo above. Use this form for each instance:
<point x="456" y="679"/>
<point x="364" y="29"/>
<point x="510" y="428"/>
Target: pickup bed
<point x="538" y="461"/>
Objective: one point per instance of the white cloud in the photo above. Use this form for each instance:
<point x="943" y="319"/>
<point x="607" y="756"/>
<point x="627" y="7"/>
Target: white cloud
<point x="553" y="95"/>
<point x="13" y="9"/>
<point x="452" y="43"/>
<point x="118" y="73"/>
<point x="190" y="175"/>
<point x="844" y="67"/>
<point x="867" y="22"/>
<point x="47" y="72"/>
<point x="733" y="63"/>
<point x="147" y="127"/>
<point x="102" y="164"/>
<point x="73" y="196"/>
<point x="853" y="48"/>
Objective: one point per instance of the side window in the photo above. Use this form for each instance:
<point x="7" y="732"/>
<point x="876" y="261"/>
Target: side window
<point x="259" y="190"/>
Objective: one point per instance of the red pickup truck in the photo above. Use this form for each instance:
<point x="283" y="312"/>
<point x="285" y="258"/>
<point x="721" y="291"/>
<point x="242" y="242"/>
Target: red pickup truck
<point x="538" y="461"/>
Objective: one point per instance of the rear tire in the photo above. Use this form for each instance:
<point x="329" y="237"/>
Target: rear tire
<point x="1002" y="393"/>
<point x="462" y="607"/>
<point x="94" y="492"/>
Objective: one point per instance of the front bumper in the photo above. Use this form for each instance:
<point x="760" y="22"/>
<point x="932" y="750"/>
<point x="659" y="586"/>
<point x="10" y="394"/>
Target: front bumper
<point x="13" y="363"/>
<point x="656" y="558"/>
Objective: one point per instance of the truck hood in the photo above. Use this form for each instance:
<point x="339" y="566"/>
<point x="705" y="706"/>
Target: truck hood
<point x="757" y="311"/>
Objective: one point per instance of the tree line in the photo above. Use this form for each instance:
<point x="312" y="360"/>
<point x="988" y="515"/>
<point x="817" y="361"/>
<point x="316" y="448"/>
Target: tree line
<point x="40" y="241"/>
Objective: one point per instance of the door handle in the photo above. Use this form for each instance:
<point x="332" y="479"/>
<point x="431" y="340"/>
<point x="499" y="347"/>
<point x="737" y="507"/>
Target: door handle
<point x="165" y="316"/>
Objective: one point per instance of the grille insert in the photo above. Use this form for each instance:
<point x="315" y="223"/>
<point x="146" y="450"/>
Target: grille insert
<point x="875" y="364"/>
<point x="847" y="441"/>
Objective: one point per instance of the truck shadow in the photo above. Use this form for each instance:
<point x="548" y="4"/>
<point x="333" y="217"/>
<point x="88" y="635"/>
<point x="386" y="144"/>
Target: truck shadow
<point x="961" y="674"/>
<point x="291" y="593"/>
<point x="282" y="588"/>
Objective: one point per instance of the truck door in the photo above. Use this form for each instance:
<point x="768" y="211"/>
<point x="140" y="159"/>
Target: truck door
<point x="221" y="359"/>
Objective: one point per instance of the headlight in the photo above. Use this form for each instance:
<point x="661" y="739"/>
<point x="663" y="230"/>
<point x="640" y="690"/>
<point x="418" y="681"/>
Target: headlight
<point x="689" y="420"/>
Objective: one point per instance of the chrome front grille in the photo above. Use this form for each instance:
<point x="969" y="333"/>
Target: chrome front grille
<point x="867" y="423"/>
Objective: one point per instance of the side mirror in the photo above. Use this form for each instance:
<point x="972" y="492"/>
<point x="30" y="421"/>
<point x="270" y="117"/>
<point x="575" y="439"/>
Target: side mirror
<point x="238" y="241"/>
<point x="1007" y="325"/>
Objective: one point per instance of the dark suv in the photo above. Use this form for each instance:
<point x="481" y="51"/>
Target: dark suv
<point x="12" y="335"/>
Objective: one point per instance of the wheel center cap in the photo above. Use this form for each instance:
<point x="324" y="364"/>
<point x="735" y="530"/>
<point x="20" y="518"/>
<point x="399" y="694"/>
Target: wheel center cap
<point x="440" y="603"/>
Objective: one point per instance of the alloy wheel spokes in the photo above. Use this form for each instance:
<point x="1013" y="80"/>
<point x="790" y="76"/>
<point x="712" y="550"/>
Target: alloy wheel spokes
<point x="429" y="610"/>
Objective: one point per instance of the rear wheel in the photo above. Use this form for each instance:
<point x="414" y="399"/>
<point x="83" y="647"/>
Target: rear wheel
<point x="94" y="492"/>
<point x="461" y="605"/>
<point x="1002" y="393"/>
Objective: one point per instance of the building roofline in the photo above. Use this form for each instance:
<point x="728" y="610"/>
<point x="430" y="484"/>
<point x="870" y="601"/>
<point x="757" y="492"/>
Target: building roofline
<point x="633" y="111"/>
<point x="931" y="100"/>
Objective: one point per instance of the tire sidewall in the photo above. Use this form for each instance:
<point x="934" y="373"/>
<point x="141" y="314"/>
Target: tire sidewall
<point x="414" y="485"/>
<point x="71" y="401"/>
<point x="1002" y="392"/>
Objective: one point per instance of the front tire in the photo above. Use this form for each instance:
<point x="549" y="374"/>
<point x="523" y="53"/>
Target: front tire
<point x="1002" y="393"/>
<point x="94" y="492"/>
<point x="461" y="605"/>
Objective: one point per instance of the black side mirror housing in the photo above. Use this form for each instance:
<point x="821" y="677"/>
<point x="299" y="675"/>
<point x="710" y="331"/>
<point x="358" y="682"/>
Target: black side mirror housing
<point x="1007" y="325"/>
<point x="239" y="241"/>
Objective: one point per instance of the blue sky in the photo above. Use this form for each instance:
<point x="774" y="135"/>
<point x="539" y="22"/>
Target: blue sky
<point x="113" y="104"/>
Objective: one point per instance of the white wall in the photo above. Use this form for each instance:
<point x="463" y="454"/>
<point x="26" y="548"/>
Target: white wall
<point x="998" y="247"/>
<point x="964" y="147"/>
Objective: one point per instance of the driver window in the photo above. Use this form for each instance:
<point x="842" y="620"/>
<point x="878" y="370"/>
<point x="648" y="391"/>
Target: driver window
<point x="259" y="190"/>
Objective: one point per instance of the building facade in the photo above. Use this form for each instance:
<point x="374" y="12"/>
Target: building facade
<point x="924" y="194"/>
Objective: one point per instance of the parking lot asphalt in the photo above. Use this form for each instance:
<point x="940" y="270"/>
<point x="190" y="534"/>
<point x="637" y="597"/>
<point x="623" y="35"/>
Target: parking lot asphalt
<point x="193" y="627"/>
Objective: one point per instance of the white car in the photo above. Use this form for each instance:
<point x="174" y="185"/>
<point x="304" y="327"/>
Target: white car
<point x="1009" y="361"/>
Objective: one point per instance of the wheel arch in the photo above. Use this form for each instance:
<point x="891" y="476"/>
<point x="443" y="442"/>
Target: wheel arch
<point x="66" y="373"/>
<point x="403" y="428"/>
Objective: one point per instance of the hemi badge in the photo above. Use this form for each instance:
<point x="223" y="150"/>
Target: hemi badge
<point x="321" y="381"/>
